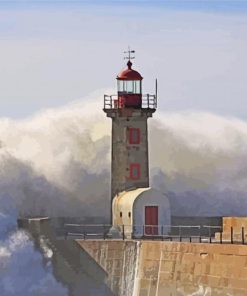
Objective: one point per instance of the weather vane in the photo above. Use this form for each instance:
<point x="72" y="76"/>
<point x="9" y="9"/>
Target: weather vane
<point x="129" y="52"/>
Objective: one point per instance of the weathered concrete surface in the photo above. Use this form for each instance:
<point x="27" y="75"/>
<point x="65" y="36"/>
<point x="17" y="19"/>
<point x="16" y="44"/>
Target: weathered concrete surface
<point x="173" y="268"/>
<point x="155" y="268"/>
<point x="118" y="259"/>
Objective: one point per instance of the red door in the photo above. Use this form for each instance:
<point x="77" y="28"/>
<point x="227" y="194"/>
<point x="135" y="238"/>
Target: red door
<point x="151" y="220"/>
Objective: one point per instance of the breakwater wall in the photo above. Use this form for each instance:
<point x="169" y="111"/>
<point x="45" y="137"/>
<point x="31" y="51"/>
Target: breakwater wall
<point x="156" y="268"/>
<point x="119" y="259"/>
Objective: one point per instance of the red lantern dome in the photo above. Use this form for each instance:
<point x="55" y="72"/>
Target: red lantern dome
<point x="129" y="74"/>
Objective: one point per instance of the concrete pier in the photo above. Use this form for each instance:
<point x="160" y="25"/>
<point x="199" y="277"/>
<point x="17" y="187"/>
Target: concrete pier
<point x="144" y="268"/>
<point x="156" y="268"/>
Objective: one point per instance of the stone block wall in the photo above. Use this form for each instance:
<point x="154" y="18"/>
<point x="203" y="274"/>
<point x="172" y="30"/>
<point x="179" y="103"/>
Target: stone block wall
<point x="156" y="268"/>
<point x="173" y="268"/>
<point x="236" y="223"/>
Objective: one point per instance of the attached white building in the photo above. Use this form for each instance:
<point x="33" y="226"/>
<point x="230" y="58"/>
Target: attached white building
<point x="143" y="212"/>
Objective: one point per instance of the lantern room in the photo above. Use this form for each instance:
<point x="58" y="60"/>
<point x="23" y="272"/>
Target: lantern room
<point x="129" y="92"/>
<point x="129" y="86"/>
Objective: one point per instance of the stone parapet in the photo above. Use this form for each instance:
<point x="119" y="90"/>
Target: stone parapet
<point x="234" y="229"/>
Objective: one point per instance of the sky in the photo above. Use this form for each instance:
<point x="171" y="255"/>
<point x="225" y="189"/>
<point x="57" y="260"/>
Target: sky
<point x="55" y="52"/>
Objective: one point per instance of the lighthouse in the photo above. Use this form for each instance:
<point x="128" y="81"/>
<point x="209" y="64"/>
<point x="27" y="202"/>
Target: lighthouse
<point x="133" y="201"/>
<point x="129" y="111"/>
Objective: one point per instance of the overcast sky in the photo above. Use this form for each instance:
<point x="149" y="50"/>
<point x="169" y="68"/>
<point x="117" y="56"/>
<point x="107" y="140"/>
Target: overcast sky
<point x="55" y="52"/>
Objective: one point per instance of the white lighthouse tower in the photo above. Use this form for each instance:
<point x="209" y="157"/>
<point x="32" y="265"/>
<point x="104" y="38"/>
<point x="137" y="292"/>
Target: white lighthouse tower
<point x="133" y="201"/>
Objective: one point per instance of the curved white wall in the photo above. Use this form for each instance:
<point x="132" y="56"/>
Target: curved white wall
<point x="134" y="202"/>
<point x="151" y="197"/>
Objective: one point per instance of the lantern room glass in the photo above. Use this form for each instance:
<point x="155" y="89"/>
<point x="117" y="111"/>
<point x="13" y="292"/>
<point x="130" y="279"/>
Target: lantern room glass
<point x="129" y="86"/>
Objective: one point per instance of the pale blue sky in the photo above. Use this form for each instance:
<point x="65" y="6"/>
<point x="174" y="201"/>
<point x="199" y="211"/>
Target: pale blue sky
<point x="55" y="52"/>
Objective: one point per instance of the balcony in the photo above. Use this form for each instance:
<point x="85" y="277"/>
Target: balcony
<point x="112" y="102"/>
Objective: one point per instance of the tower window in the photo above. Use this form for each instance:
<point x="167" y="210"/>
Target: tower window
<point x="121" y="214"/>
<point x="134" y="136"/>
<point x="129" y="86"/>
<point x="129" y="214"/>
<point x="135" y="172"/>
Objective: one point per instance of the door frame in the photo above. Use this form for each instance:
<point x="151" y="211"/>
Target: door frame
<point x="144" y="218"/>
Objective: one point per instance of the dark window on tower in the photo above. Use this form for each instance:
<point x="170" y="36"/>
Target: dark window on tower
<point x="129" y="214"/>
<point x="121" y="214"/>
<point x="135" y="172"/>
<point x="134" y="136"/>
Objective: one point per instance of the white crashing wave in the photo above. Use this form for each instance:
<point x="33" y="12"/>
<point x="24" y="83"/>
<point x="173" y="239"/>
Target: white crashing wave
<point x="56" y="157"/>
<point x="200" y="158"/>
<point x="22" y="269"/>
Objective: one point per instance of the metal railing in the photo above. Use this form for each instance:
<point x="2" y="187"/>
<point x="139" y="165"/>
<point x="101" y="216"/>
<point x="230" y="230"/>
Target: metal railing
<point x="149" y="101"/>
<point x="87" y="231"/>
<point x="112" y="102"/>
<point x="179" y="233"/>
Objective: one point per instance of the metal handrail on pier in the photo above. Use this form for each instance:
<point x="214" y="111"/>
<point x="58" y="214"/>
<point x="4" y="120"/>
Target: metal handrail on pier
<point x="179" y="233"/>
